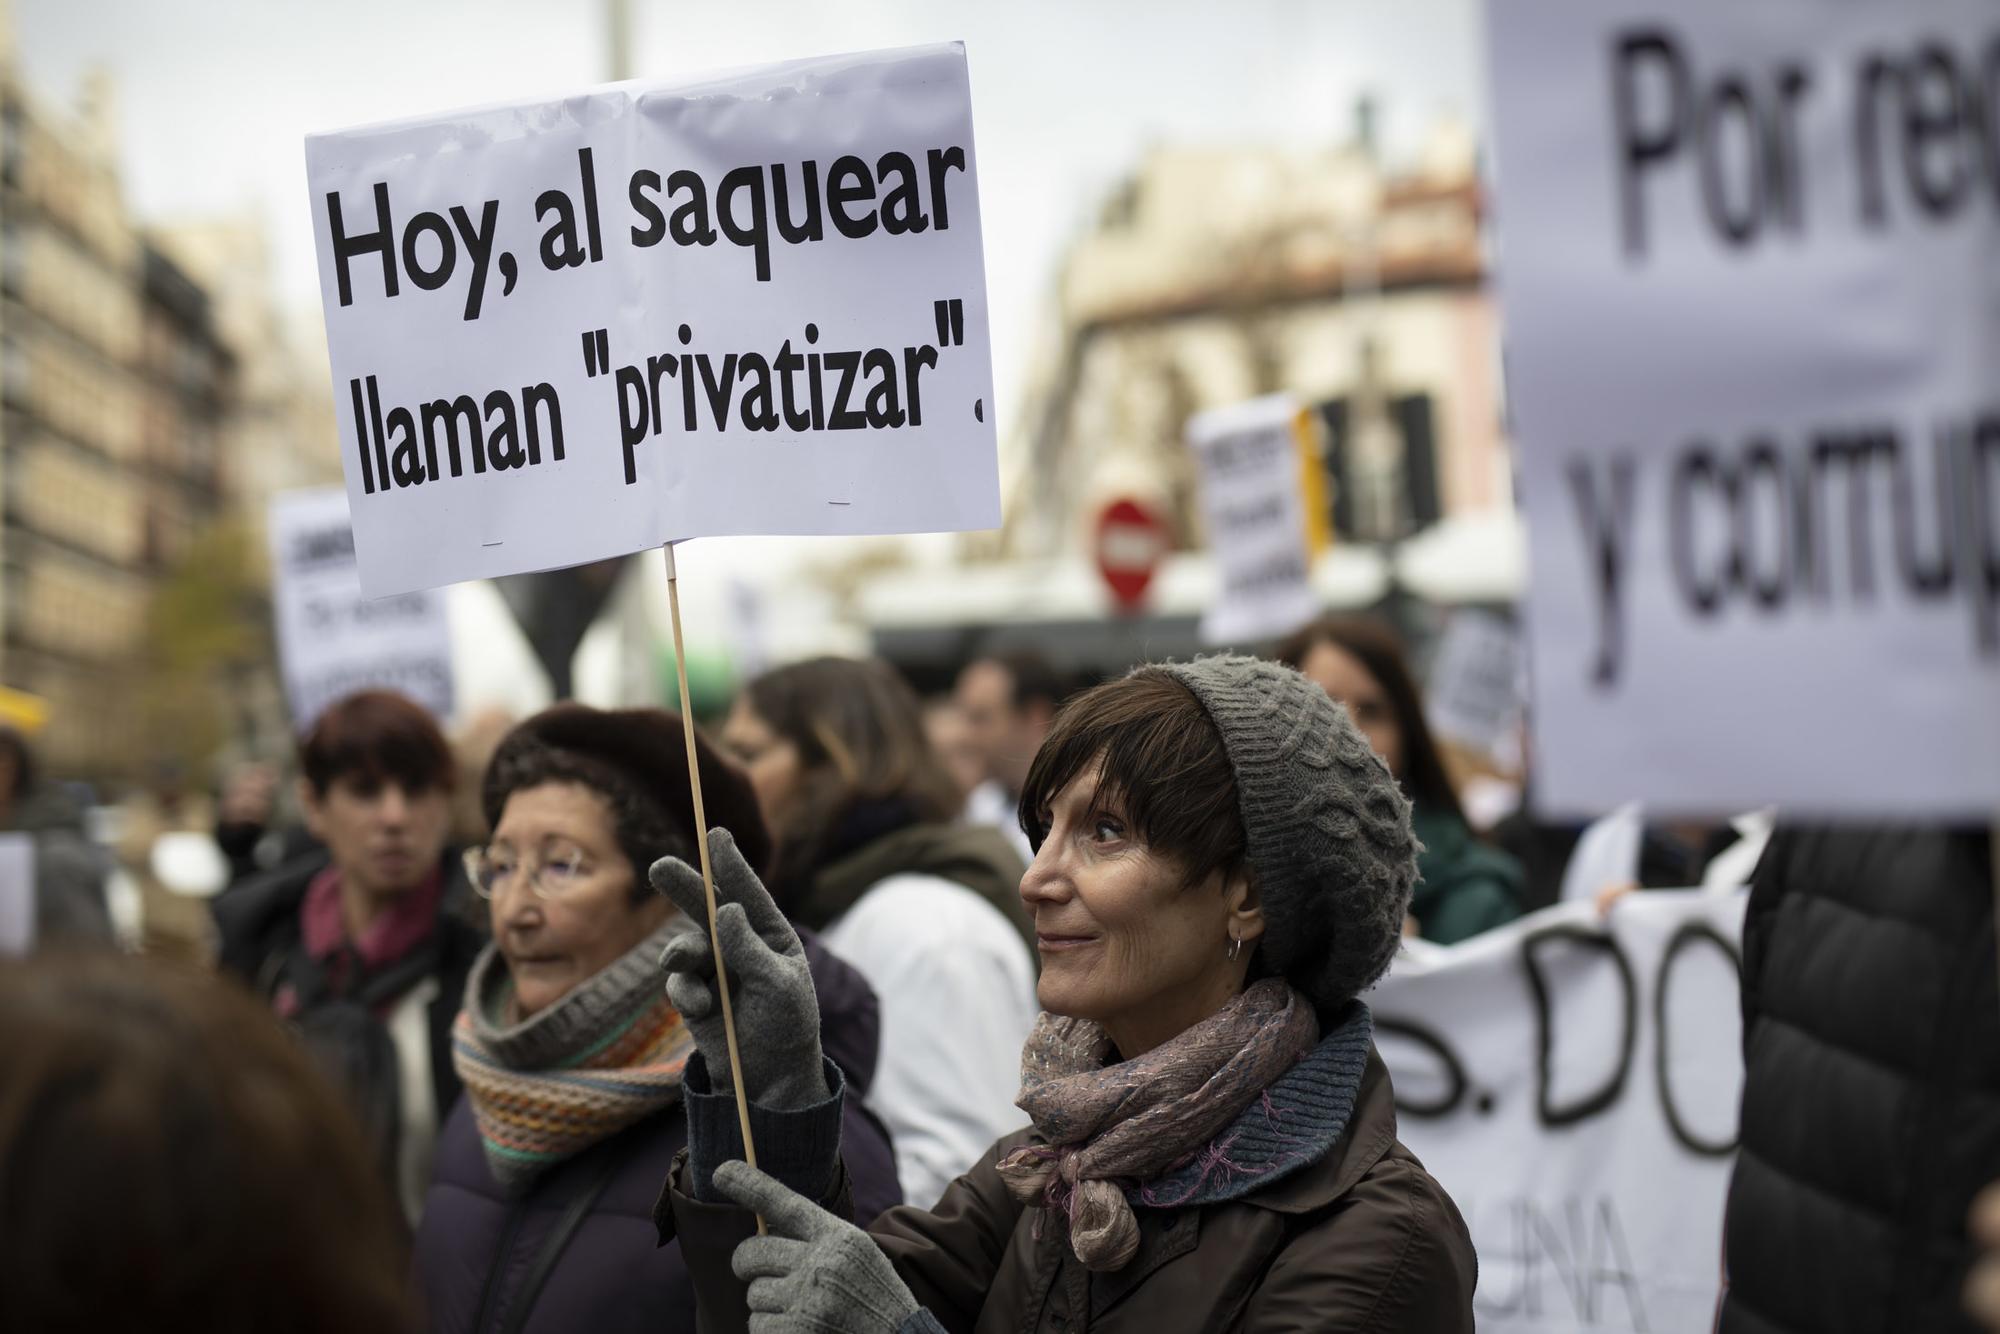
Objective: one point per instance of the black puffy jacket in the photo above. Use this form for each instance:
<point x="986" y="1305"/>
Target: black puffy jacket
<point x="1871" y="1096"/>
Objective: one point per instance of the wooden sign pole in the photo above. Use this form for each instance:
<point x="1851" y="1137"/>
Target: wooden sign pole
<point x="707" y="874"/>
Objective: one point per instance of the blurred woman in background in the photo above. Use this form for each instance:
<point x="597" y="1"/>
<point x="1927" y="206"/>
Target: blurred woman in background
<point x="1464" y="886"/>
<point x="928" y="909"/>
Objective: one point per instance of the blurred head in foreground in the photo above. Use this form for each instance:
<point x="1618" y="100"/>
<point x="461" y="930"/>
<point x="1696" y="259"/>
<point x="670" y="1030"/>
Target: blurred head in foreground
<point x="169" y="1161"/>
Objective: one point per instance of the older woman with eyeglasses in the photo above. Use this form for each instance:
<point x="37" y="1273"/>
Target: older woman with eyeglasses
<point x="539" y="1215"/>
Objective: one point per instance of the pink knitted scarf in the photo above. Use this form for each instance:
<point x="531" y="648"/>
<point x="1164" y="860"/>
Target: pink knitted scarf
<point x="1104" y="1127"/>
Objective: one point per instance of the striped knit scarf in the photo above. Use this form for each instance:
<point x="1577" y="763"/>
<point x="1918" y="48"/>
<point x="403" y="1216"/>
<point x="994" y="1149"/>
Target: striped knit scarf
<point x="605" y="1056"/>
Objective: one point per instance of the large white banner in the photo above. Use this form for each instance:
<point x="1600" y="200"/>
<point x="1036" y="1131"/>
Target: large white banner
<point x="1254" y="503"/>
<point x="748" y="303"/>
<point x="1573" y="1083"/>
<point x="332" y="640"/>
<point x="1750" y="268"/>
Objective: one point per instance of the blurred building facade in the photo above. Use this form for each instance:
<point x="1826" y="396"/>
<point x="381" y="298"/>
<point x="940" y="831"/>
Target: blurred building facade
<point x="122" y="435"/>
<point x="280" y="432"/>
<point x="186" y="386"/>
<point x="74" y="502"/>
<point x="1219" y="274"/>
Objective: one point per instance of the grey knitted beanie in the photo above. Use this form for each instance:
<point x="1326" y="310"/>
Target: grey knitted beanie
<point x="1327" y="829"/>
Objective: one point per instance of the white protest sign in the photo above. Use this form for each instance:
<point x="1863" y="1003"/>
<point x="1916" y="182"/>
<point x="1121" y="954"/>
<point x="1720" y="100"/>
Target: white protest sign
<point x="1474" y="692"/>
<point x="573" y="329"/>
<point x="17" y="895"/>
<point x="1249" y="459"/>
<point x="332" y="640"/>
<point x="1750" y="262"/>
<point x="1573" y="1084"/>
<point x="1606" y="854"/>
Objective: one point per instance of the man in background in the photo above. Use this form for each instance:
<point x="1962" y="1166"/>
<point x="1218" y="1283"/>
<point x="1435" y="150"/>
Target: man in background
<point x="951" y="737"/>
<point x="1008" y="702"/>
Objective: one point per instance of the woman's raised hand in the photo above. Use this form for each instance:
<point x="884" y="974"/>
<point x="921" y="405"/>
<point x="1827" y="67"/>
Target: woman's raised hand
<point x="770" y="985"/>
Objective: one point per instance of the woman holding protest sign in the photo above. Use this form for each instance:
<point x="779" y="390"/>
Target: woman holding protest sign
<point x="928" y="909"/>
<point x="539" y="1216"/>
<point x="1463" y="885"/>
<point x="1221" y="866"/>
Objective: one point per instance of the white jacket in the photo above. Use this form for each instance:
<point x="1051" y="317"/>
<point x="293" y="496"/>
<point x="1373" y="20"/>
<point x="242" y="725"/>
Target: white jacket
<point x="956" y="988"/>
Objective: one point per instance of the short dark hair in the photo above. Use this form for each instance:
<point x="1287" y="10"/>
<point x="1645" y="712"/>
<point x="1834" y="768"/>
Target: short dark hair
<point x="244" y="1195"/>
<point x="636" y="760"/>
<point x="375" y="736"/>
<point x="1379" y="648"/>
<point x="1035" y="679"/>
<point x="1163" y="764"/>
<point x="859" y="731"/>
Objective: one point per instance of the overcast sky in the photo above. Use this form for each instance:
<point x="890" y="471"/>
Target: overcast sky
<point x="216" y="96"/>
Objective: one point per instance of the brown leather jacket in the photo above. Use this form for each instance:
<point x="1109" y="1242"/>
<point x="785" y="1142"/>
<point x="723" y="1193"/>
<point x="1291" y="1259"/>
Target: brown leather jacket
<point x="1362" y="1240"/>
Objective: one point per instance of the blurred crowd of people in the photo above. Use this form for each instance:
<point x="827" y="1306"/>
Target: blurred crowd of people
<point x="442" y="1086"/>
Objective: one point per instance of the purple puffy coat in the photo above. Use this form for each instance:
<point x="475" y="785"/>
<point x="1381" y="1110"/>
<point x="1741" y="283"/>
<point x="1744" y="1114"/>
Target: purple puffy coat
<point x="477" y="1250"/>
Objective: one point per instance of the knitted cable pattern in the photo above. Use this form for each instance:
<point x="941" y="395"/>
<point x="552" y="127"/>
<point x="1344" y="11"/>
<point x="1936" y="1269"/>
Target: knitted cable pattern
<point x="1327" y="829"/>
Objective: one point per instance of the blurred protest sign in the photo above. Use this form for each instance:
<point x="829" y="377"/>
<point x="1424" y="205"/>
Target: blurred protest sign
<point x="331" y="639"/>
<point x="1575" y="1085"/>
<point x="1753" y="315"/>
<point x="1257" y="471"/>
<point x="748" y="303"/>
<point x="17" y="895"/>
<point x="1474" y="691"/>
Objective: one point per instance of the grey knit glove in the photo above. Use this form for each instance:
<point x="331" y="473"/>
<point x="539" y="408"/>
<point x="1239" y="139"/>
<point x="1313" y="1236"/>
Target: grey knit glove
<point x="813" y="1272"/>
<point x="770" y="984"/>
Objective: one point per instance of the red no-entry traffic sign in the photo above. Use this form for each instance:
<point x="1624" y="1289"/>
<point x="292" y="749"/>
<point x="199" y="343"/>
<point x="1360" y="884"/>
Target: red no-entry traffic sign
<point x="1131" y="539"/>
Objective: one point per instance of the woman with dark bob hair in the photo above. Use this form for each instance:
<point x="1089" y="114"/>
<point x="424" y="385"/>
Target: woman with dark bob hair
<point x="1464" y="886"/>
<point x="1222" y="866"/>
<point x="539" y="1215"/>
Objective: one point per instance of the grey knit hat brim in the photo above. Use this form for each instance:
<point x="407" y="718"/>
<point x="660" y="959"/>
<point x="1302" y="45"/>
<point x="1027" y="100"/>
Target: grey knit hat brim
<point x="1327" y="830"/>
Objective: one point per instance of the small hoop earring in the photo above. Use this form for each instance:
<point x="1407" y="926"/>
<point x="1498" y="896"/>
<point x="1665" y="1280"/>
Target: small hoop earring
<point x="1235" y="948"/>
